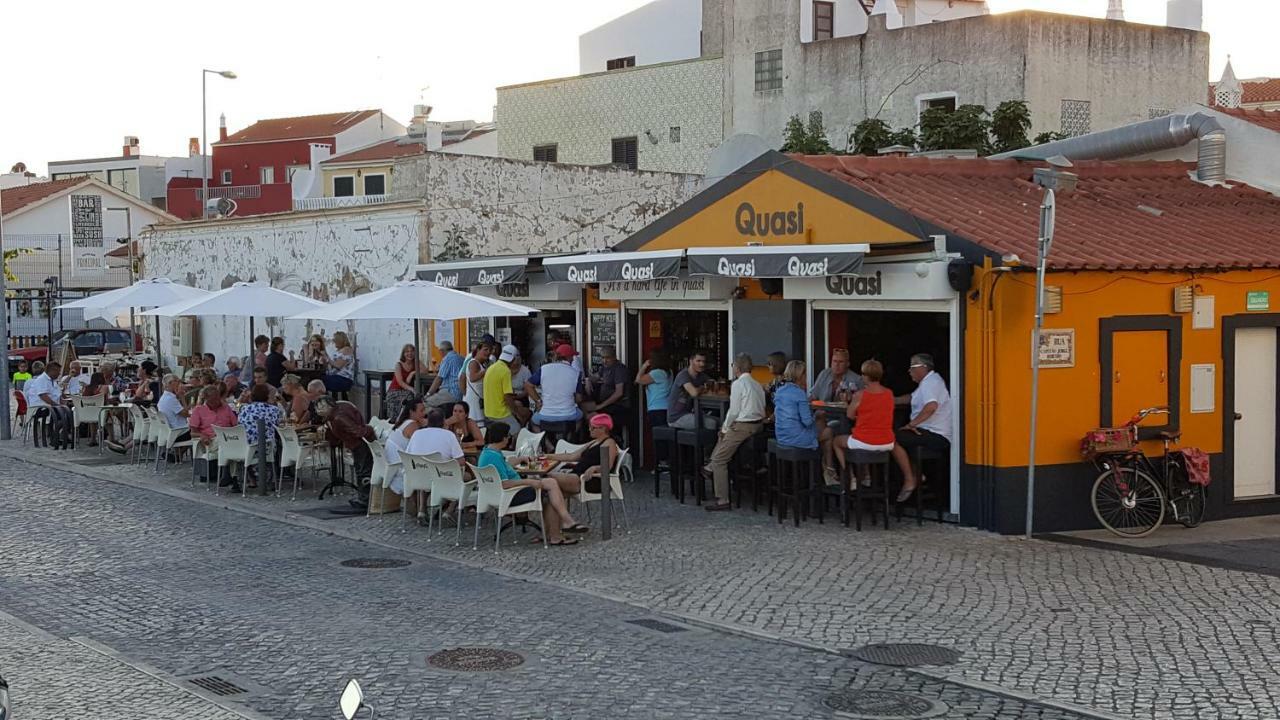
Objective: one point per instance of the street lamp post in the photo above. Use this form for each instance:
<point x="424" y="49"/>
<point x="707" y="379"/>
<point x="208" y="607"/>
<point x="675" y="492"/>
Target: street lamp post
<point x="204" y="137"/>
<point x="1051" y="179"/>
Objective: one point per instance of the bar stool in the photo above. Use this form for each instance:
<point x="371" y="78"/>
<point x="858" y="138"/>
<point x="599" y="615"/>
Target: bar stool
<point x="746" y="462"/>
<point x="919" y="456"/>
<point x="700" y="442"/>
<point x="664" y="448"/>
<point x="785" y="477"/>
<point x="868" y="460"/>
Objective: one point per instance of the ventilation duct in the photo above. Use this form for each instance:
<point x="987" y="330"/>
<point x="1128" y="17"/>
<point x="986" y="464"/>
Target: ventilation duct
<point x="1164" y="133"/>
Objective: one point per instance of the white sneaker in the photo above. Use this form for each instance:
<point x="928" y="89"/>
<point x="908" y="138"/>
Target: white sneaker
<point x="831" y="476"/>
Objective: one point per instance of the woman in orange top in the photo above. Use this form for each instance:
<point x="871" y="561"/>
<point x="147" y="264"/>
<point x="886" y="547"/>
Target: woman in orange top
<point x="871" y="410"/>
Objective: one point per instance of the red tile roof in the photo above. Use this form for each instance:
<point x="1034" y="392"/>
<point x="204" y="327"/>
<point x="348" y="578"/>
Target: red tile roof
<point x="1123" y="215"/>
<point x="387" y="150"/>
<point x="16" y="198"/>
<point x="1269" y="119"/>
<point x="1255" y="91"/>
<point x="298" y="128"/>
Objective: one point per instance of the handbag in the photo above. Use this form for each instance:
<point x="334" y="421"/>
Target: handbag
<point x="1197" y="464"/>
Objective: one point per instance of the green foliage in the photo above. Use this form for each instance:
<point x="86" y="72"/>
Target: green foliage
<point x="967" y="127"/>
<point x="904" y="136"/>
<point x="1009" y="125"/>
<point x="869" y="136"/>
<point x="1048" y="137"/>
<point x="9" y="255"/>
<point x="810" y="139"/>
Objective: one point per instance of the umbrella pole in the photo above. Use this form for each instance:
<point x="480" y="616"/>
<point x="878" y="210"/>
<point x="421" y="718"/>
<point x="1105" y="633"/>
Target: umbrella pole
<point x="417" y="357"/>
<point x="159" y="362"/>
<point x="250" y="360"/>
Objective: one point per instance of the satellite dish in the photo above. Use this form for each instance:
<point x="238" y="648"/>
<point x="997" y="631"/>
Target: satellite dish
<point x="734" y="152"/>
<point x="222" y="207"/>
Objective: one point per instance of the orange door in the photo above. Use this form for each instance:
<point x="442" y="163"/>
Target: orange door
<point x="1140" y="374"/>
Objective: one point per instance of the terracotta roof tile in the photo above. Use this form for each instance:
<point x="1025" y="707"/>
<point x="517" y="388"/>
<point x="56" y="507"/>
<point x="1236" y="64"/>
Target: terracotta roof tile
<point x="298" y="128"/>
<point x="16" y="198"/>
<point x="386" y="150"/>
<point x="1269" y="119"/>
<point x="1255" y="91"/>
<point x="1123" y="215"/>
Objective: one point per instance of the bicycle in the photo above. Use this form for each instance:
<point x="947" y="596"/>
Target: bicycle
<point x="1132" y="494"/>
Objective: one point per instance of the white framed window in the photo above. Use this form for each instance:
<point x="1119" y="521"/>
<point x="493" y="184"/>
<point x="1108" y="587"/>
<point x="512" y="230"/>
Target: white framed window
<point x="267" y="175"/>
<point x="344" y="186"/>
<point x="375" y="184"/>
<point x="226" y="177"/>
<point x="948" y="100"/>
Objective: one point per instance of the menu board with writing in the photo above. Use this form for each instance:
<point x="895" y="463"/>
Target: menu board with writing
<point x="603" y="333"/>
<point x="87" y="247"/>
<point x="478" y="327"/>
<point x="1057" y="348"/>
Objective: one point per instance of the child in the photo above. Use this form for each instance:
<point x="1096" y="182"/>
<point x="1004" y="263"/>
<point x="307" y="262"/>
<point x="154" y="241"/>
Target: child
<point x="22" y="374"/>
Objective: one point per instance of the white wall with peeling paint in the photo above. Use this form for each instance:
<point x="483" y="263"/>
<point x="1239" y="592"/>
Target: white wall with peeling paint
<point x="326" y="255"/>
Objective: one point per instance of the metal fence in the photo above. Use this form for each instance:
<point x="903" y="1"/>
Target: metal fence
<point x="43" y="268"/>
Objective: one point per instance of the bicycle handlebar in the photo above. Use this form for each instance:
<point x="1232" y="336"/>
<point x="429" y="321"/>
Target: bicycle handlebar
<point x="1142" y="414"/>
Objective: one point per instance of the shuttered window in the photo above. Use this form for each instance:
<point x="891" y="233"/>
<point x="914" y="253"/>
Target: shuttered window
<point x="544" y="153"/>
<point x="624" y="152"/>
<point x="769" y="70"/>
<point x="619" y="63"/>
<point x="824" y="20"/>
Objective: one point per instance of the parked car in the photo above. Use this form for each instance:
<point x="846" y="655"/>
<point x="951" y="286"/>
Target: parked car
<point x="87" y="341"/>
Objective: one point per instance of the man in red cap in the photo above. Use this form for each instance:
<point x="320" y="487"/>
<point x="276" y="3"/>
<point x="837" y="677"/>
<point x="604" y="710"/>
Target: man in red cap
<point x="556" y="389"/>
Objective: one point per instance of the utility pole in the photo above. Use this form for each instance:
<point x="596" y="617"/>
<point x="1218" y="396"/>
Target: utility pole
<point x="6" y="396"/>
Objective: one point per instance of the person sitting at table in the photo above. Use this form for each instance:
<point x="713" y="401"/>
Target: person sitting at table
<point x="871" y="410"/>
<point x="277" y="364"/>
<point x="44" y="399"/>
<point x="148" y="389"/>
<point x="592" y="461"/>
<point x="404" y="378"/>
<point x="520" y="374"/>
<point x="656" y="381"/>
<point x="742" y="421"/>
<point x="313" y="353"/>
<point x="471" y="379"/>
<point x="299" y="409"/>
<point x="499" y="396"/>
<point x="835" y="384"/>
<point x="444" y="389"/>
<point x="22" y="374"/>
<point x="793" y="423"/>
<point x="260" y="407"/>
<point x="345" y="426"/>
<point x="434" y="439"/>
<point x="73" y="380"/>
<point x="259" y="378"/>
<point x="610" y="387"/>
<point x="191" y="391"/>
<point x="777" y="362"/>
<point x="232" y="387"/>
<point x="213" y="411"/>
<point x="689" y="384"/>
<point x="930" y="424"/>
<point x="233" y="367"/>
<point x="555" y="510"/>
<point x="97" y="385"/>
<point x="460" y="423"/>
<point x="174" y="410"/>
<point x="411" y="418"/>
<point x="556" y="389"/>
<point x="342" y="365"/>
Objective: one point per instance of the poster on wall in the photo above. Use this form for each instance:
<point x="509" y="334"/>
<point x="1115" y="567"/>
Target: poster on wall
<point x="443" y="330"/>
<point x="603" y="333"/>
<point x="478" y="327"/>
<point x="1058" y="348"/>
<point x="87" y="248"/>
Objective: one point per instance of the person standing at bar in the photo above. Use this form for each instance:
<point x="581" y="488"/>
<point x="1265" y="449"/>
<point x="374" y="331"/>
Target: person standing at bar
<point x="656" y="381"/>
<point x="742" y="421"/>
<point x="500" y="404"/>
<point x="689" y="384"/>
<point x="611" y="390"/>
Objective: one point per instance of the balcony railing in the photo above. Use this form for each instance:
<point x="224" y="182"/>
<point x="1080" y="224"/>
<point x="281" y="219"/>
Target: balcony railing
<point x="328" y="203"/>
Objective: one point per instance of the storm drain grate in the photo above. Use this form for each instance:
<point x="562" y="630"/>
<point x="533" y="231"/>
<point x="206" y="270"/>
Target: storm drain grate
<point x="475" y="659"/>
<point x="882" y="705"/>
<point x="375" y="563"/>
<point x="658" y="625"/>
<point x="217" y="685"/>
<point x="906" y="654"/>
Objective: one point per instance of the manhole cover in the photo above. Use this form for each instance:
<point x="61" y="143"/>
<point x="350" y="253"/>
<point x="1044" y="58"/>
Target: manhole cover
<point x="882" y="705"/>
<point x="906" y="654"/>
<point x="658" y="625"/>
<point x="375" y="563"/>
<point x="475" y="659"/>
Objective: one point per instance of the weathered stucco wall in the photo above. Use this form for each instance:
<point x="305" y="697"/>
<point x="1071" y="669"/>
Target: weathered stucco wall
<point x="478" y="206"/>
<point x="326" y="255"/>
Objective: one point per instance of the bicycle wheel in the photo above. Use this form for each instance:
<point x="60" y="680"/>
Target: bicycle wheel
<point x="1127" y="502"/>
<point x="1185" y="497"/>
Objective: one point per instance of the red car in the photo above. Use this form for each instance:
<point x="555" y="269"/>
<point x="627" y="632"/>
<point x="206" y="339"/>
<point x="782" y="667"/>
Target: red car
<point x="87" y="341"/>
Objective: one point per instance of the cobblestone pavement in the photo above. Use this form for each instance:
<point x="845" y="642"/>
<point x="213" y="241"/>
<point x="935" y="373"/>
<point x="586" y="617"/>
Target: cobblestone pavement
<point x="188" y="588"/>
<point x="1121" y="634"/>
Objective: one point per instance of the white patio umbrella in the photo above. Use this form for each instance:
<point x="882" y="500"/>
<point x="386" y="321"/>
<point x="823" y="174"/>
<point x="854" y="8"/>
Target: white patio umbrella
<point x="416" y="299"/>
<point x="148" y="293"/>
<point x="242" y="299"/>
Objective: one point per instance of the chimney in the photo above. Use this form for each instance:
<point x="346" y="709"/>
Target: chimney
<point x="130" y="146"/>
<point x="1115" y="10"/>
<point x="1186" y="14"/>
<point x="193" y="147"/>
<point x="222" y="127"/>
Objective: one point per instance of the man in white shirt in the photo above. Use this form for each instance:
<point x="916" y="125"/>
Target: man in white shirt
<point x="74" y="381"/>
<point x="170" y="405"/>
<point x="930" y="425"/>
<point x="556" y="387"/>
<point x="44" y="399"/>
<point x="742" y="421"/>
<point x="434" y="439"/>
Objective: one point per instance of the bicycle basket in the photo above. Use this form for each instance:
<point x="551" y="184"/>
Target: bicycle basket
<point x="1102" y="441"/>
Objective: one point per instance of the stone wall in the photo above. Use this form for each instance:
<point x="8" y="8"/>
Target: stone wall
<point x="476" y="206"/>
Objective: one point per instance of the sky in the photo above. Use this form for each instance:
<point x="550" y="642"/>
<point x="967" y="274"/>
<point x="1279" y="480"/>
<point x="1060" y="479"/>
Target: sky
<point x="79" y="75"/>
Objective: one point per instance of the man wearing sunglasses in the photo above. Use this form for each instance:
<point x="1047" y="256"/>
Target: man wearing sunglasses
<point x="930" y="424"/>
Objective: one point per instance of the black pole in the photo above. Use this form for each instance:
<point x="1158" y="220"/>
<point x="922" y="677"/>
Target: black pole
<point x="250" y="359"/>
<point x="158" y="355"/>
<point x="417" y="358"/>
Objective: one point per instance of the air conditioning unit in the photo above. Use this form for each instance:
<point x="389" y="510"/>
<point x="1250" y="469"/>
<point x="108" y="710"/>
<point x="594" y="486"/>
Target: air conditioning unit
<point x="182" y="333"/>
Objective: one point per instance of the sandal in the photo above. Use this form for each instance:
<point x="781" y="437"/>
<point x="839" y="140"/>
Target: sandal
<point x="576" y="529"/>
<point x="565" y="541"/>
<point x="536" y="541"/>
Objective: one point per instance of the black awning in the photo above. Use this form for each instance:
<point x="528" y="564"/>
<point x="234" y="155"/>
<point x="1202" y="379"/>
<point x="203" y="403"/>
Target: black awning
<point x="471" y="273"/>
<point x="613" y="267"/>
<point x="790" y="261"/>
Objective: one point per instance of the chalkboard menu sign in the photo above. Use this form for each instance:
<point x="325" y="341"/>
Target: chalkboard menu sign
<point x="604" y="333"/>
<point x="478" y="327"/>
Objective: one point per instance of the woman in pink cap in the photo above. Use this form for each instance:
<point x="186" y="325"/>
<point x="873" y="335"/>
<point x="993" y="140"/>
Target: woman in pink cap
<point x="592" y="462"/>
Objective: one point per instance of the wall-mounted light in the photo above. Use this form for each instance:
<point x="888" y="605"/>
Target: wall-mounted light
<point x="1183" y="298"/>
<point x="1052" y="299"/>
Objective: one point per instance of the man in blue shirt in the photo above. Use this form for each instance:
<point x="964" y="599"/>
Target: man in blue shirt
<point x="444" y="389"/>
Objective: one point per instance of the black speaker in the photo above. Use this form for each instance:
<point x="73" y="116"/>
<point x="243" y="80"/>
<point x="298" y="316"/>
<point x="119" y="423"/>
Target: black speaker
<point x="771" y="286"/>
<point x="960" y="275"/>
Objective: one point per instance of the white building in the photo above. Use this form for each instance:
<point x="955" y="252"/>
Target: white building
<point x="142" y="176"/>
<point x="661" y="31"/>
<point x="844" y="18"/>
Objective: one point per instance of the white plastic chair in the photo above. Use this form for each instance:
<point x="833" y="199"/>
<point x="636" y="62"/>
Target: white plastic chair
<point x="86" y="411"/>
<point x="529" y="443"/>
<point x="233" y="447"/>
<point x="381" y="474"/>
<point x="615" y="489"/>
<point x="293" y="454"/>
<point x="450" y="483"/>
<point x="490" y="495"/>
<point x="167" y="441"/>
<point x="564" y="447"/>
<point x="208" y="453"/>
<point x="142" y="421"/>
<point x="419" y="474"/>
